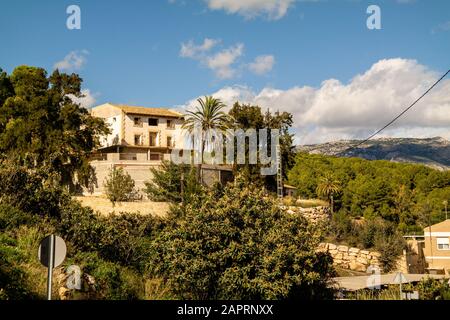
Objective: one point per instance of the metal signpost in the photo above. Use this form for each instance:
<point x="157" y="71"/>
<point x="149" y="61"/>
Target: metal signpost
<point x="400" y="278"/>
<point x="52" y="252"/>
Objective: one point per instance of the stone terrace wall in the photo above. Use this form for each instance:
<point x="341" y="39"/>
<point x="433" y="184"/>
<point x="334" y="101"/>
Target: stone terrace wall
<point x="351" y="258"/>
<point x="360" y="260"/>
<point x="314" y="214"/>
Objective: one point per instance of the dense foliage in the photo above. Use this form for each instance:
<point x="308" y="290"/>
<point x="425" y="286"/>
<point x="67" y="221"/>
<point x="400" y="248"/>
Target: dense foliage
<point x="113" y="249"/>
<point x="241" y="245"/>
<point x="42" y="126"/>
<point x="410" y="196"/>
<point x="119" y="186"/>
<point x="230" y="243"/>
<point x="35" y="190"/>
<point x="172" y="183"/>
<point x="251" y="117"/>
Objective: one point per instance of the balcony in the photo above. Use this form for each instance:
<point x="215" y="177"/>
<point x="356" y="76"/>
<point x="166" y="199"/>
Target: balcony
<point x="130" y="157"/>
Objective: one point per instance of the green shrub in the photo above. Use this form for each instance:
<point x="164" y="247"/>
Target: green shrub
<point x="82" y="226"/>
<point x="122" y="238"/>
<point x="119" y="186"/>
<point x="11" y="217"/>
<point x="34" y="191"/>
<point x="375" y="233"/>
<point x="241" y="246"/>
<point x="166" y="183"/>
<point x="128" y="236"/>
<point x="112" y="281"/>
<point x="390" y="246"/>
<point x="434" y="289"/>
<point x="14" y="284"/>
<point x="341" y="228"/>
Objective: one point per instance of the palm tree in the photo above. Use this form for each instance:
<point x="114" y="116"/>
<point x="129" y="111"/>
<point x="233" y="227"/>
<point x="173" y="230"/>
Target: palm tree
<point x="207" y="116"/>
<point x="328" y="186"/>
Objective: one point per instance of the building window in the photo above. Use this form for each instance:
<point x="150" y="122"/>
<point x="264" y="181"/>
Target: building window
<point x="153" y="122"/>
<point x="443" y="243"/>
<point x="138" y="140"/>
<point x="169" y="142"/>
<point x="137" y="122"/>
<point x="153" y="138"/>
<point x="170" y="124"/>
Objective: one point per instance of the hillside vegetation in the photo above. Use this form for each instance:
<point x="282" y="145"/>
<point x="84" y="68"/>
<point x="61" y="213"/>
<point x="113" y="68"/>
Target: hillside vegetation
<point x="407" y="195"/>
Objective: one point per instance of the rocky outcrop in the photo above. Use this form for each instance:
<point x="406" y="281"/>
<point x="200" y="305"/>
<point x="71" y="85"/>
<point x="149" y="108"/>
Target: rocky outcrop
<point x="66" y="291"/>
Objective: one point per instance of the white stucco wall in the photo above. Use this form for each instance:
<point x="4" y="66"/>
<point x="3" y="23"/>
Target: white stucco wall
<point x="163" y="132"/>
<point x="114" y="124"/>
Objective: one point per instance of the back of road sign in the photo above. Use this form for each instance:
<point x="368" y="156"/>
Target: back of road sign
<point x="400" y="278"/>
<point x="59" y="251"/>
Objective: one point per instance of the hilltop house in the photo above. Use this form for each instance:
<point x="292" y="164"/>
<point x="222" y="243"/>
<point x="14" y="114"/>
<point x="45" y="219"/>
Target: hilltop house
<point x="437" y="247"/>
<point x="140" y="139"/>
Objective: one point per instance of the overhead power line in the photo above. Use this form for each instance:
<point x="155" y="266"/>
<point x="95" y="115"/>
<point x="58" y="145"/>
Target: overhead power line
<point x="396" y="118"/>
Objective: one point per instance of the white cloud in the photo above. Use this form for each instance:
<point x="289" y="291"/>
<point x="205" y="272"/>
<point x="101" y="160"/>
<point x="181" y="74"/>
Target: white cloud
<point x="73" y="61"/>
<point x="222" y="62"/>
<point x="337" y="110"/>
<point x="190" y="50"/>
<point x="87" y="101"/>
<point x="272" y="9"/>
<point x="443" y="27"/>
<point x="262" y="64"/>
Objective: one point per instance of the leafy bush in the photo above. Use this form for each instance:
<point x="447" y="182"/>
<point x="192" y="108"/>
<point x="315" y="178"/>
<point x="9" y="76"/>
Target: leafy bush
<point x="434" y="289"/>
<point x="121" y="237"/>
<point x="166" y="183"/>
<point x="11" y="217"/>
<point x="14" y="283"/>
<point x="341" y="228"/>
<point x="112" y="281"/>
<point x="81" y="226"/>
<point x="127" y="238"/>
<point x="119" y="186"/>
<point x="34" y="191"/>
<point x="241" y="246"/>
<point x="390" y="247"/>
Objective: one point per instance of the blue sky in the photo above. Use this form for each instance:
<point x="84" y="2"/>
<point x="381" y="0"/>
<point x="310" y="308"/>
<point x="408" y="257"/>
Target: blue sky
<point x="131" y="52"/>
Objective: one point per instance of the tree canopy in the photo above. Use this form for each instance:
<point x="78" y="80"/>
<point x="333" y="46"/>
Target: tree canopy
<point x="409" y="195"/>
<point x="41" y="125"/>
<point x="252" y="117"/>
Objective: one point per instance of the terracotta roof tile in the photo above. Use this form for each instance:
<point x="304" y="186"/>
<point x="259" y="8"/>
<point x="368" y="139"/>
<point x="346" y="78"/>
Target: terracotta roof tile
<point x="148" y="111"/>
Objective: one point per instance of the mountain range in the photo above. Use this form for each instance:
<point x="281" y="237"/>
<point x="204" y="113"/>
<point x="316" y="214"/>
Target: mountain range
<point x="432" y="152"/>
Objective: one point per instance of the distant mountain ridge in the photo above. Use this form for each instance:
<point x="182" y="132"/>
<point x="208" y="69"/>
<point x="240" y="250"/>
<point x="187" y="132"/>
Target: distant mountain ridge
<point x="432" y="152"/>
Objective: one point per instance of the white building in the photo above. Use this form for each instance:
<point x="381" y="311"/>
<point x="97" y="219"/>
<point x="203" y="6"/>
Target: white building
<point x="140" y="139"/>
